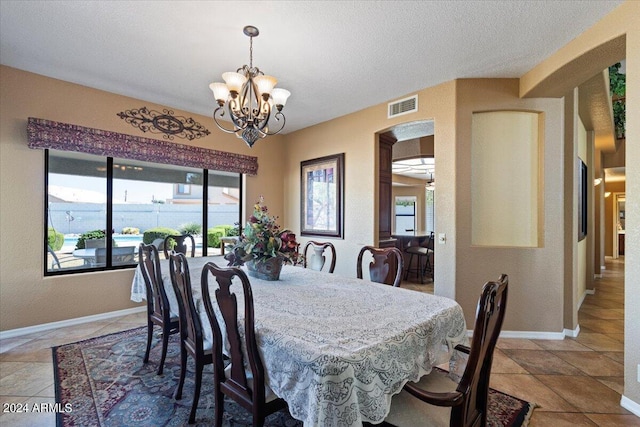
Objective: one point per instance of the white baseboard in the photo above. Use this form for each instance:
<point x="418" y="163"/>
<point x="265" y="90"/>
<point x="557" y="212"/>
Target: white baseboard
<point x="541" y="335"/>
<point x="70" y="322"/>
<point x="584" y="295"/>
<point x="533" y="335"/>
<point x="630" y="405"/>
<point x="571" y="333"/>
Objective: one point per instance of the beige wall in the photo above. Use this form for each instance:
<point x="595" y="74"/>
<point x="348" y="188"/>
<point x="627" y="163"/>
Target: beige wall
<point x="534" y="273"/>
<point x="28" y="298"/>
<point x="582" y="245"/>
<point x="632" y="243"/>
<point x="355" y="135"/>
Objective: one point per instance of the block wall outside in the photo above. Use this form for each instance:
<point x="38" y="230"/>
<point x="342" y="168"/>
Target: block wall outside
<point x="77" y="218"/>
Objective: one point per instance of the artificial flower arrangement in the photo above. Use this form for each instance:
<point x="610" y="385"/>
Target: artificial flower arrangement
<point x="263" y="239"/>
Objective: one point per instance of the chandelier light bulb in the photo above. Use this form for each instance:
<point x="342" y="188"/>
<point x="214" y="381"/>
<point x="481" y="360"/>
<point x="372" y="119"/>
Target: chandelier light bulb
<point x="280" y="96"/>
<point x="220" y="92"/>
<point x="265" y="85"/>
<point x="234" y="81"/>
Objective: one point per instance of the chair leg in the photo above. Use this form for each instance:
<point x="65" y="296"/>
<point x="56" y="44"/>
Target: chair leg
<point x="183" y="371"/>
<point x="406" y="274"/>
<point x="428" y="267"/>
<point x="149" y="338"/>
<point x="258" y="417"/>
<point x="420" y="269"/>
<point x="196" y="391"/>
<point x="219" y="404"/>
<point x="165" y="344"/>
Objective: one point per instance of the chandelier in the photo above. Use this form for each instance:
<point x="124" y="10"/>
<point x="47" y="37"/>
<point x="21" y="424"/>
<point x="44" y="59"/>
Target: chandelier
<point x="249" y="96"/>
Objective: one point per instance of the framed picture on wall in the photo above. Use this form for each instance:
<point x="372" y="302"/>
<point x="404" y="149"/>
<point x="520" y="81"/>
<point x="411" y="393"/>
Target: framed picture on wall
<point x="582" y="199"/>
<point x="321" y="196"/>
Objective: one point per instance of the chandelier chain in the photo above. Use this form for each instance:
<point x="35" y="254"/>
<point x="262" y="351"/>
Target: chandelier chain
<point x="250" y="52"/>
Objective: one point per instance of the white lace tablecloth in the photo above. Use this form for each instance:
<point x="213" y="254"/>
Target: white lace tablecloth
<point x="336" y="348"/>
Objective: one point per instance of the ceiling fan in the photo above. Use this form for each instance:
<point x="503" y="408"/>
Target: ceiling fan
<point x="431" y="183"/>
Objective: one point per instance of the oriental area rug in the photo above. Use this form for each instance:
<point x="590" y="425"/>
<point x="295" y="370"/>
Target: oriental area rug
<point x="106" y="384"/>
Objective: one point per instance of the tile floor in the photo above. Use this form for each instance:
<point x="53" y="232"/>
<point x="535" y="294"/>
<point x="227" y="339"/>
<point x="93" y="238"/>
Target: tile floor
<point x="575" y="382"/>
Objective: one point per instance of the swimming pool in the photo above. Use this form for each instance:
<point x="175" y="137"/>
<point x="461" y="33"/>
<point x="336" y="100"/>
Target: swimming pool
<point x="70" y="241"/>
<point x="121" y="240"/>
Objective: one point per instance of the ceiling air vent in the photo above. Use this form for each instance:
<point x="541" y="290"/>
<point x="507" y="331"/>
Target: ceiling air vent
<point x="403" y="106"/>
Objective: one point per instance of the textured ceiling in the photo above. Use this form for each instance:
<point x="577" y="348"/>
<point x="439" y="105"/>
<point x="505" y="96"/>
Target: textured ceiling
<point x="595" y="111"/>
<point x="336" y="57"/>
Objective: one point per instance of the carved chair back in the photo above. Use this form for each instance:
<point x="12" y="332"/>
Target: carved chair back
<point x="386" y="267"/>
<point x="475" y="379"/>
<point x="469" y="402"/>
<point x="179" y="245"/>
<point x="316" y="260"/>
<point x="158" y="309"/>
<point x="190" y="325"/>
<point x="157" y="302"/>
<point x="247" y="390"/>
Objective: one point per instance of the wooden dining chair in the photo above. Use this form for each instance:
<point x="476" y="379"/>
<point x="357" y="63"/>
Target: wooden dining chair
<point x="158" y="309"/>
<point x="179" y="245"/>
<point x="386" y="267"/>
<point x="317" y="259"/>
<point x="244" y="379"/>
<point x="191" y="335"/>
<point x="468" y="399"/>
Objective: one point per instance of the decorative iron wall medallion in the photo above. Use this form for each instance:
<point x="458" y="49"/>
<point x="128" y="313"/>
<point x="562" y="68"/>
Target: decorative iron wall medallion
<point x="164" y="122"/>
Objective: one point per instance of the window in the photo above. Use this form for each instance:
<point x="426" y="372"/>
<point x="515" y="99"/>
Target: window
<point x="405" y="212"/>
<point x="183" y="188"/>
<point x="430" y="210"/>
<point x="99" y="209"/>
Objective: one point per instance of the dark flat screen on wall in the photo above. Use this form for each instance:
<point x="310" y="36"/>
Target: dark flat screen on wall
<point x="582" y="200"/>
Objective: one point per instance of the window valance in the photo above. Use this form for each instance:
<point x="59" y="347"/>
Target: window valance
<point x="67" y="137"/>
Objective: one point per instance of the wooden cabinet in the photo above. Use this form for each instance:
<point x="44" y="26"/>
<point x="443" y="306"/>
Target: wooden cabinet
<point x="385" y="156"/>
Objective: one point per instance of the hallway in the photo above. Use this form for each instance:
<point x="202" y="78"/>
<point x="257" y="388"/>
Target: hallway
<point x="576" y="381"/>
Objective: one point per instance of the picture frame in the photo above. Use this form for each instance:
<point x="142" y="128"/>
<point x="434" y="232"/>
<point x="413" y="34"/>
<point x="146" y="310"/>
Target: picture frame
<point x="322" y="196"/>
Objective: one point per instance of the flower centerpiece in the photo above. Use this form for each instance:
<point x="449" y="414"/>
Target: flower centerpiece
<point x="263" y="246"/>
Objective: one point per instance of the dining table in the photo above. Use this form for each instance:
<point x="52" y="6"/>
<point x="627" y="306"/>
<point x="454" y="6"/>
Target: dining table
<point x="336" y="348"/>
<point x="88" y="254"/>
